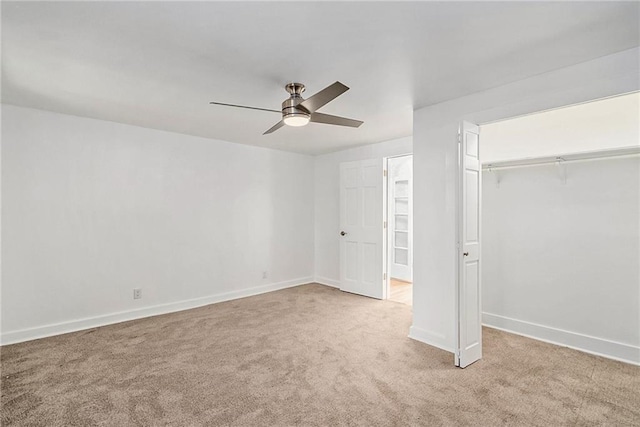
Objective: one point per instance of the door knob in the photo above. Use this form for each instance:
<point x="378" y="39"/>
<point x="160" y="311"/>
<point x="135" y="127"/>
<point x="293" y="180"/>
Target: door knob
<point x="342" y="233"/>
<point x="466" y="254"/>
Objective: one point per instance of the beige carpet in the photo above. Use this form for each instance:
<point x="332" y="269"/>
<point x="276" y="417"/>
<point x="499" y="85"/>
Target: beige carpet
<point x="309" y="355"/>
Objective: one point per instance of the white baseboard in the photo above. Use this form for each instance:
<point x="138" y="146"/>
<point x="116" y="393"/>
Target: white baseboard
<point x="598" y="346"/>
<point x="430" y="338"/>
<point x="22" y="335"/>
<point x="327" y="282"/>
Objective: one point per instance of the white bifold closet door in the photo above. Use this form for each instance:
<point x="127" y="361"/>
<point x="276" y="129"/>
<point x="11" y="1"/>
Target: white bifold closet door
<point x="469" y="201"/>
<point x="361" y="228"/>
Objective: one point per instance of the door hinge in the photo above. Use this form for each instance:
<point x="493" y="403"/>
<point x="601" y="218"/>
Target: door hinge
<point x="385" y="224"/>
<point x="459" y="138"/>
<point x="384" y="276"/>
<point x="384" y="172"/>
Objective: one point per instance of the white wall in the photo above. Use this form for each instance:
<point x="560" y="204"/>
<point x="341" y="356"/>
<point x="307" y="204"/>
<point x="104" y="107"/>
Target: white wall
<point x="435" y="172"/>
<point x="327" y="202"/>
<point x="561" y="262"/>
<point x="604" y="124"/>
<point x="434" y="232"/>
<point x="92" y="209"/>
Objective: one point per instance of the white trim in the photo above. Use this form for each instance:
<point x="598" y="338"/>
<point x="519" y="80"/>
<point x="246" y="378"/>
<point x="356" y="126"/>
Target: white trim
<point x="429" y="338"/>
<point x="399" y="155"/>
<point x="22" y="335"/>
<point x="588" y="344"/>
<point x="327" y="282"/>
<point x="386" y="227"/>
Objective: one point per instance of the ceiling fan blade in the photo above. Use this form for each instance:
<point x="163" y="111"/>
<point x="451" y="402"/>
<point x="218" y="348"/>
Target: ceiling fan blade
<point x="323" y="97"/>
<point x="244" y="106"/>
<point x="275" y="127"/>
<point x="334" y="120"/>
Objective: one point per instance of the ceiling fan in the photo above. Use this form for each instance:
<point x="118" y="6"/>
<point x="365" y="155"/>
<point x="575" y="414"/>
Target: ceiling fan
<point x="297" y="111"/>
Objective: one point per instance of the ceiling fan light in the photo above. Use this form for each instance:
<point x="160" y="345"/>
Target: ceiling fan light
<point x="296" y="120"/>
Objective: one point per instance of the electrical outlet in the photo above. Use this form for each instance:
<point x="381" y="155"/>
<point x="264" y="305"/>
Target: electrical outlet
<point x="137" y="293"/>
<point x="264" y="274"/>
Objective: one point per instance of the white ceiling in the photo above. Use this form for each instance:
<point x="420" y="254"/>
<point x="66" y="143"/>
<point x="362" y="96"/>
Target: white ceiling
<point x="158" y="64"/>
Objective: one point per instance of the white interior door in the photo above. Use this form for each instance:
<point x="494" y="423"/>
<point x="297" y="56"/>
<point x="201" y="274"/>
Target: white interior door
<point x="361" y="232"/>
<point x="469" y="296"/>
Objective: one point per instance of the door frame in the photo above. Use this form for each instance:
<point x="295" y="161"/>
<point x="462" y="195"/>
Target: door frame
<point x="386" y="229"/>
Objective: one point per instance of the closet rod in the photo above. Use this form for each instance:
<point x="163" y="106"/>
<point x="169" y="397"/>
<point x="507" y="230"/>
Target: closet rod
<point x="563" y="158"/>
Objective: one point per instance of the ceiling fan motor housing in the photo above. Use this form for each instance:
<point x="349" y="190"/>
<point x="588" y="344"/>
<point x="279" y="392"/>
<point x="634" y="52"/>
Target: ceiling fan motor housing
<point x="290" y="109"/>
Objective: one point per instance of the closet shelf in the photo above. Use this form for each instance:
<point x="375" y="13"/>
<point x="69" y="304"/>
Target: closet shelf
<point x="563" y="158"/>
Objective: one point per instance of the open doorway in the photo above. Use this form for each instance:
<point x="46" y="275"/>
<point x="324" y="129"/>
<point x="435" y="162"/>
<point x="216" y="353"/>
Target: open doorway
<point x="400" y="229"/>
